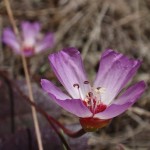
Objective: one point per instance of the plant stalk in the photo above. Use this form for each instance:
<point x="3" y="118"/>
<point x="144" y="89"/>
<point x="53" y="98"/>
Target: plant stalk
<point x="26" y="71"/>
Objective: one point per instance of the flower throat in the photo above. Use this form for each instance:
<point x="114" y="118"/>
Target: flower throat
<point x="92" y="99"/>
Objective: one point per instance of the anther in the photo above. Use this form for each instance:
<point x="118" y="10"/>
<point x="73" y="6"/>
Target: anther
<point x="90" y="94"/>
<point x="86" y="82"/>
<point x="98" y="88"/>
<point x="76" y="85"/>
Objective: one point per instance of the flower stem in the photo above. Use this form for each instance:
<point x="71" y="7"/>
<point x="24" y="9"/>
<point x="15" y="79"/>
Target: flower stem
<point x="65" y="130"/>
<point x="34" y="114"/>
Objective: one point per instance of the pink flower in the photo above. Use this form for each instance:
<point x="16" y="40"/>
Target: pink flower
<point x="30" y="41"/>
<point x="98" y="103"/>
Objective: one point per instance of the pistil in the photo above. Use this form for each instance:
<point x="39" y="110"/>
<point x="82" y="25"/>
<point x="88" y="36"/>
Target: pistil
<point x="93" y="98"/>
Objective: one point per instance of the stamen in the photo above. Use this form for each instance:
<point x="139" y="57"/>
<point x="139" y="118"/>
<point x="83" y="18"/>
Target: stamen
<point x="76" y="85"/>
<point x="90" y="94"/>
<point x="102" y="90"/>
<point x="98" y="89"/>
<point x="93" y="99"/>
<point x="86" y="102"/>
<point x="86" y="82"/>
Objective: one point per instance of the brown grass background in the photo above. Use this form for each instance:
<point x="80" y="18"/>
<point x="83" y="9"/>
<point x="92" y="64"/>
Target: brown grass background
<point x="91" y="26"/>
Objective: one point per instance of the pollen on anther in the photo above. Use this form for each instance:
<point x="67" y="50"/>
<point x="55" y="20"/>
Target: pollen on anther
<point x="100" y="90"/>
<point x="76" y="85"/>
<point x="86" y="82"/>
<point x="90" y="94"/>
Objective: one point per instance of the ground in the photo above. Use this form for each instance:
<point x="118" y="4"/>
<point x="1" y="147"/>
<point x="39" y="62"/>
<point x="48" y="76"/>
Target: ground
<point x="92" y="27"/>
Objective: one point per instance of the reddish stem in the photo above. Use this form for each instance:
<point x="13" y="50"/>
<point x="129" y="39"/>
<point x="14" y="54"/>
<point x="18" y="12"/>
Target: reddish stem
<point x="51" y="120"/>
<point x="66" y="131"/>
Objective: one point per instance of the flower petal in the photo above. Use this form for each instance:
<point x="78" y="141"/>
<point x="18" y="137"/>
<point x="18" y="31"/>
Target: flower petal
<point x="74" y="106"/>
<point x="132" y="93"/>
<point x="115" y="71"/>
<point x="45" y="43"/>
<point x="126" y="100"/>
<point x="113" y="111"/>
<point x="49" y="87"/>
<point x="68" y="67"/>
<point x="10" y="39"/>
<point x="30" y="32"/>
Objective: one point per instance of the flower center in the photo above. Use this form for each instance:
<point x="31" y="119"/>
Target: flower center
<point x="93" y="98"/>
<point x="28" y="49"/>
<point x="93" y="101"/>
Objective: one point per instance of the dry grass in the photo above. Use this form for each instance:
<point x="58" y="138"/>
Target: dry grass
<point x="92" y="26"/>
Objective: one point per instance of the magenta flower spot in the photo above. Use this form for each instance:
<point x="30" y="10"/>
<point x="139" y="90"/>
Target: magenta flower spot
<point x="30" y="41"/>
<point x="96" y="104"/>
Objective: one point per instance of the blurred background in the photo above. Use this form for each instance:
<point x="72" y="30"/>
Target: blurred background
<point x="91" y="26"/>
